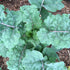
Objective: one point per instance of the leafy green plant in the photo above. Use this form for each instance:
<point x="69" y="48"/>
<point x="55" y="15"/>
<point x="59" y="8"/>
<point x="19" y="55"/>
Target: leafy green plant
<point x="26" y="33"/>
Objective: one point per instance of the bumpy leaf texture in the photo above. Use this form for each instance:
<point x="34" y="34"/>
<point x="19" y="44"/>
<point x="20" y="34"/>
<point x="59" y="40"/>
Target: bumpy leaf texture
<point x="11" y="44"/>
<point x="10" y="38"/>
<point x="56" y="31"/>
<point x="32" y="60"/>
<point x="56" y="66"/>
<point x="14" y="62"/>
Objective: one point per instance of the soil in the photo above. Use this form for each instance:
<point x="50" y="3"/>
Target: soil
<point x="66" y="8"/>
<point x="64" y="54"/>
<point x="14" y="4"/>
<point x="3" y="64"/>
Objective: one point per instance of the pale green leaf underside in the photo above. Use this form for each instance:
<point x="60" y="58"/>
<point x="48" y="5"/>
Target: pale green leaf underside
<point x="51" y="5"/>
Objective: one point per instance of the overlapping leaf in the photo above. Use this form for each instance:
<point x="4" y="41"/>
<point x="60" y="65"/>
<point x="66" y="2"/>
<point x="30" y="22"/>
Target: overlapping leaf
<point x="51" y="53"/>
<point x="3" y="49"/>
<point x="10" y="38"/>
<point x="14" y="62"/>
<point x="32" y="60"/>
<point x="58" y="22"/>
<point x="2" y="15"/>
<point x="48" y="4"/>
<point x="56" y="66"/>
<point x="31" y="17"/>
